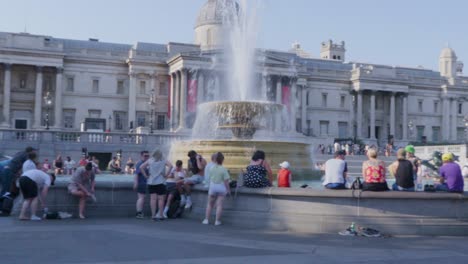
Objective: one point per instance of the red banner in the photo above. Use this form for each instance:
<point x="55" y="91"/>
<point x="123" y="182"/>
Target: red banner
<point x="286" y="94"/>
<point x="192" y="96"/>
<point x="169" y="82"/>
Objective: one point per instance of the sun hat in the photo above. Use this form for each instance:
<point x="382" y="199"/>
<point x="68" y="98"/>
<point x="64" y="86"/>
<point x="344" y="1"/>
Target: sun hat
<point x="284" y="165"/>
<point x="447" y="157"/>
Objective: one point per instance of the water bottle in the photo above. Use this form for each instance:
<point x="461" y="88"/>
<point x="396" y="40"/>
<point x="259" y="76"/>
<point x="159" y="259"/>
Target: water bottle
<point x="353" y="227"/>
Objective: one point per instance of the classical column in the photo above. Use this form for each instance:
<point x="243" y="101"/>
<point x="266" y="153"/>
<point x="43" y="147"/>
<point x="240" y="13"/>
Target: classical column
<point x="293" y="104"/>
<point x="351" y="116"/>
<point x="405" y="117"/>
<point x="200" y="87"/>
<point x="172" y="101"/>
<point x="217" y="88"/>
<point x="6" y="95"/>
<point x="359" y="115"/>
<point x="278" y="90"/>
<point x="132" y="100"/>
<point x="372" y="115"/>
<point x="454" y="124"/>
<point x="264" y="90"/>
<point x="304" y="109"/>
<point x="176" y="99"/>
<point x="58" y="98"/>
<point x="392" y="114"/>
<point x="183" y="98"/>
<point x="38" y="98"/>
<point x="445" y="119"/>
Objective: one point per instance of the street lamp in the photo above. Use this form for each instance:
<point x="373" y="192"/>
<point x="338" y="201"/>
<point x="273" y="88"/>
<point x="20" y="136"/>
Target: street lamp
<point x="151" y="105"/>
<point x="48" y="102"/>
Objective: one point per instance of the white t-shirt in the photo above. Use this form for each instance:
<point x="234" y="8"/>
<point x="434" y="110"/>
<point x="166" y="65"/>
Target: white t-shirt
<point x="69" y="164"/>
<point x="29" y="165"/>
<point x="178" y="175"/>
<point x="41" y="178"/>
<point x="334" y="169"/>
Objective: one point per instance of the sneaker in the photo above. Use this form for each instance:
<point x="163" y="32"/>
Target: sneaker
<point x="205" y="222"/>
<point x="35" y="218"/>
<point x="188" y="204"/>
<point x="158" y="218"/>
<point x="348" y="232"/>
<point x="165" y="215"/>
<point x="218" y="223"/>
<point x="140" y="215"/>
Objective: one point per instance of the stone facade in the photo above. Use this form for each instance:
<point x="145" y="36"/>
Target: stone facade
<point x="66" y="82"/>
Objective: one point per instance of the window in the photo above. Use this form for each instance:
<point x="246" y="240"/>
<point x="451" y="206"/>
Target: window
<point x="420" y="133"/>
<point x="119" y="120"/>
<point x="120" y="87"/>
<point x="339" y="57"/>
<point x="334" y="57"/>
<point x="460" y="108"/>
<point x="307" y="99"/>
<point x="163" y="89"/>
<point x="342" y="101"/>
<point x="436" y="107"/>
<point x="324" y="128"/>
<point x="70" y="84"/>
<point x="435" y="134"/>
<point x="69" y="118"/>
<point x="142" y="87"/>
<point x="141" y="119"/>
<point x="324" y="99"/>
<point x="420" y="106"/>
<point x="461" y="134"/>
<point x="342" y="129"/>
<point x="161" y="122"/>
<point x="95" y="86"/>
<point x="94" y="113"/>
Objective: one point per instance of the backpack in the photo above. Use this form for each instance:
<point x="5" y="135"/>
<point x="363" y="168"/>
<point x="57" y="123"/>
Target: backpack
<point x="6" y="205"/>
<point x="175" y="210"/>
<point x="357" y="184"/>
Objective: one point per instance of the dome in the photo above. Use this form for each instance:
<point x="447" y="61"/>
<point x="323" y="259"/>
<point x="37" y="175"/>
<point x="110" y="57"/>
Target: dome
<point x="448" y="53"/>
<point x="211" y="13"/>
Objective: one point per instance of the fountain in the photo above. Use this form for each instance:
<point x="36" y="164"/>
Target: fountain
<point x="232" y="123"/>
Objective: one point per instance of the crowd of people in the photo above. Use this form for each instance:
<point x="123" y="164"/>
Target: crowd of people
<point x="351" y="148"/>
<point x="170" y="187"/>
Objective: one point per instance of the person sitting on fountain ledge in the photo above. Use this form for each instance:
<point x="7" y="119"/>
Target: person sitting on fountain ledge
<point x="403" y="170"/>
<point x="257" y="172"/>
<point x="196" y="165"/>
<point x="451" y="179"/>
<point x="335" y="172"/>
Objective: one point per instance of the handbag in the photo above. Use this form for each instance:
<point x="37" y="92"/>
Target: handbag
<point x="357" y="184"/>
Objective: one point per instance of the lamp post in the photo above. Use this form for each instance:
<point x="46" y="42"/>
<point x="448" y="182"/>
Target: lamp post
<point x="48" y="102"/>
<point x="151" y="105"/>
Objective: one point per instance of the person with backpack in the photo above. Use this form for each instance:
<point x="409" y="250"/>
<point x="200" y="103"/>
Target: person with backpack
<point x="219" y="188"/>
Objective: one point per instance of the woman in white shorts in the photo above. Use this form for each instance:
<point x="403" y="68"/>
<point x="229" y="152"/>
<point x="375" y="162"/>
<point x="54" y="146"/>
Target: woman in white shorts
<point x="219" y="187"/>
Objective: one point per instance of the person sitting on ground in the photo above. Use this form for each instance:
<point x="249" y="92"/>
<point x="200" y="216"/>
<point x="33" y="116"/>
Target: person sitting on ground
<point x="219" y="187"/>
<point x="373" y="173"/>
<point x="82" y="185"/>
<point x="46" y="166"/>
<point x="284" y="175"/>
<point x="403" y="170"/>
<point x="114" y="166"/>
<point x="177" y="174"/>
<point x="196" y="165"/>
<point x="58" y="165"/>
<point x="139" y="184"/>
<point x="451" y="179"/>
<point x="30" y="163"/>
<point x="69" y="166"/>
<point x="336" y="171"/>
<point x="130" y="166"/>
<point x="33" y="182"/>
<point x="259" y="174"/>
<point x="155" y="180"/>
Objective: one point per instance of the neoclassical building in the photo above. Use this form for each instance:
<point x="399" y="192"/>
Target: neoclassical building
<point x="76" y="85"/>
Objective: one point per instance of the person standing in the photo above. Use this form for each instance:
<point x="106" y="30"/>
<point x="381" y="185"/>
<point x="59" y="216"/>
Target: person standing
<point x="155" y="180"/>
<point x="33" y="182"/>
<point x="82" y="185"/>
<point x="451" y="179"/>
<point x="11" y="170"/>
<point x="336" y="171"/>
<point x="139" y="184"/>
<point x="219" y="187"/>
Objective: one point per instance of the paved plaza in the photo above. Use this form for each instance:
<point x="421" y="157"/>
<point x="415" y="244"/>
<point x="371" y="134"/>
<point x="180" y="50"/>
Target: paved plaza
<point x="127" y="240"/>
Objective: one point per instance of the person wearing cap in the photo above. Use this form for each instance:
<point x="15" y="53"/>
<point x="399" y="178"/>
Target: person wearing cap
<point x="451" y="179"/>
<point x="336" y="171"/>
<point x="33" y="182"/>
<point x="11" y="170"/>
<point x="284" y="175"/>
<point x="403" y="170"/>
<point x="82" y="185"/>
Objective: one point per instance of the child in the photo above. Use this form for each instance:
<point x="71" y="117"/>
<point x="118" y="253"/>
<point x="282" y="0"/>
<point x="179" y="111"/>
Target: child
<point x="177" y="174"/>
<point x="284" y="175"/>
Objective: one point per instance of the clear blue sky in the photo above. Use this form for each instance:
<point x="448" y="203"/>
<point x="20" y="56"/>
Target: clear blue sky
<point x="396" y="32"/>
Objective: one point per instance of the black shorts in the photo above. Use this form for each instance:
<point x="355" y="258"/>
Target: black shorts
<point x="159" y="189"/>
<point x="28" y="187"/>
